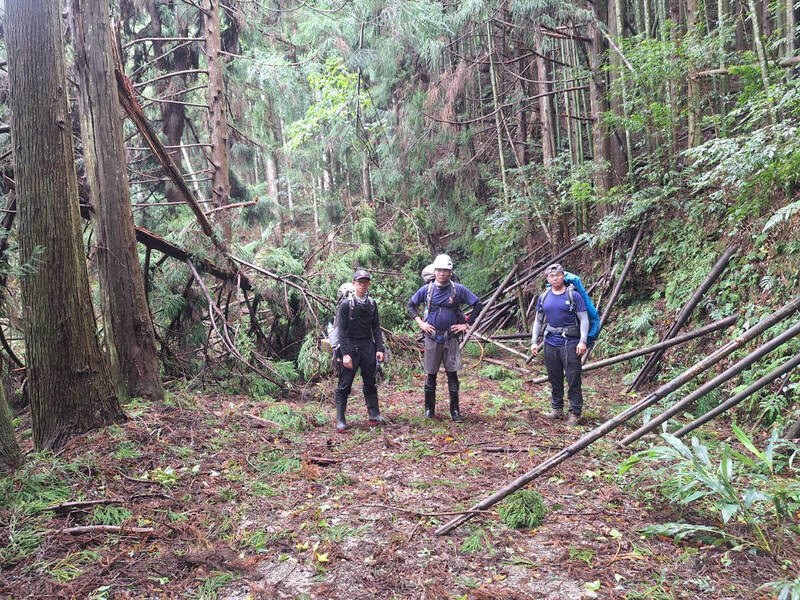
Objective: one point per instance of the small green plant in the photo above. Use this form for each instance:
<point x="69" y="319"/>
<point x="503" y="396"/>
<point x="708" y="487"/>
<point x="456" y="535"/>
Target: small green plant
<point x="497" y="404"/>
<point x="584" y="554"/>
<point x="72" y="565"/>
<point x="784" y="589"/>
<point x="417" y="451"/>
<point x="748" y="488"/>
<point x="342" y="480"/>
<point x="476" y="541"/>
<point x="110" y="515"/>
<point x="495" y="372"/>
<point x="293" y="419"/>
<point x="210" y="587"/>
<point x="126" y="449"/>
<point x="276" y="463"/>
<point x="166" y="476"/>
<point x="523" y="509"/>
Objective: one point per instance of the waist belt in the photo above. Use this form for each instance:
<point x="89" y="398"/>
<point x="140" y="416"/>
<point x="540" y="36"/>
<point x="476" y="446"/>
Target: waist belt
<point x="442" y="333"/>
<point x="572" y="331"/>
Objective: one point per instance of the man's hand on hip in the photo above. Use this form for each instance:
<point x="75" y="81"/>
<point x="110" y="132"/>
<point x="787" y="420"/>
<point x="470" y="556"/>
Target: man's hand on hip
<point x="425" y="327"/>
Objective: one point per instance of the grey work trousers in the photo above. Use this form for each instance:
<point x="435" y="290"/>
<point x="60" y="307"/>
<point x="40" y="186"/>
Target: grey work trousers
<point x="562" y="361"/>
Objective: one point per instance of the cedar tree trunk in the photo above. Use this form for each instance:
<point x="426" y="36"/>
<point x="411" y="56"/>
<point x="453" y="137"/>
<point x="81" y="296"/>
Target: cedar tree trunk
<point x="129" y="328"/>
<point x="70" y="388"/>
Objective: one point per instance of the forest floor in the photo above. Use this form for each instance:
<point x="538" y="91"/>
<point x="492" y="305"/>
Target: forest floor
<point x="263" y="499"/>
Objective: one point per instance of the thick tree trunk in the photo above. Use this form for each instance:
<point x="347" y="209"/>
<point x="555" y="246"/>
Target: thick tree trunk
<point x="218" y="125"/>
<point x="129" y="329"/>
<point x="693" y="98"/>
<point x="10" y="456"/>
<point x="599" y="105"/>
<point x="545" y="105"/>
<point x="70" y="389"/>
<point x="758" y="42"/>
<point x="619" y="164"/>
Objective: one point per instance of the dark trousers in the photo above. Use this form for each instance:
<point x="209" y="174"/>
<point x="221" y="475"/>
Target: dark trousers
<point x="363" y="358"/>
<point x="562" y="361"/>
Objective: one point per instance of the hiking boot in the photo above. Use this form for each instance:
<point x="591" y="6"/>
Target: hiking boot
<point x="555" y="415"/>
<point x="341" y="422"/>
<point x="374" y="413"/>
<point x="430" y="404"/>
<point x="573" y="419"/>
<point x="454" y="412"/>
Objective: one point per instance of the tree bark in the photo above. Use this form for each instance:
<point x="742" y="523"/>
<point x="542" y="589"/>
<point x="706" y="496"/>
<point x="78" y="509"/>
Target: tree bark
<point x="217" y="121"/>
<point x="129" y="328"/>
<point x="599" y="105"/>
<point x="545" y="105"/>
<point x="693" y="98"/>
<point x="619" y="164"/>
<point x="70" y="388"/>
<point x="10" y="455"/>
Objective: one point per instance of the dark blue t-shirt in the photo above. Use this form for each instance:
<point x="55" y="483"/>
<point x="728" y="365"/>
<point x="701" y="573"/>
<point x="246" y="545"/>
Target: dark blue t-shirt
<point x="443" y="313"/>
<point x="558" y="314"/>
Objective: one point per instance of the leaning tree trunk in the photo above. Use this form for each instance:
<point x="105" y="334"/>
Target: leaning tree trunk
<point x="218" y="125"/>
<point x="129" y="328"/>
<point x="70" y="389"/>
<point x="10" y="456"/>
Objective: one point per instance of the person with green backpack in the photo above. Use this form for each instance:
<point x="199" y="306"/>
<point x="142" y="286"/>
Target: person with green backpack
<point x="562" y="312"/>
<point x="442" y="324"/>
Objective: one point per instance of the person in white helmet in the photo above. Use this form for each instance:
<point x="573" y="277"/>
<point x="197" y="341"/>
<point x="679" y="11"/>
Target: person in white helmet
<point x="442" y="324"/>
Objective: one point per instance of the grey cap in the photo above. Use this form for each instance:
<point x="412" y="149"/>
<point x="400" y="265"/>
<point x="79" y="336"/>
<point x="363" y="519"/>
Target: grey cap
<point x="361" y="274"/>
<point x="554" y="268"/>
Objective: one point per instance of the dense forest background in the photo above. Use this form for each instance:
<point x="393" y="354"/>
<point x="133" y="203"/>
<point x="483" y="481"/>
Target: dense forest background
<point x="187" y="184"/>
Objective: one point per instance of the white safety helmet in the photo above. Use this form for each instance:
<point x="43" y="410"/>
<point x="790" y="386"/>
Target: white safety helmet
<point x="443" y="261"/>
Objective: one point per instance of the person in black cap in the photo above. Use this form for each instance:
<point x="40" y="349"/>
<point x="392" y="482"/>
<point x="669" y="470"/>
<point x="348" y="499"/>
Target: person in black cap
<point x="565" y="341"/>
<point x="361" y="346"/>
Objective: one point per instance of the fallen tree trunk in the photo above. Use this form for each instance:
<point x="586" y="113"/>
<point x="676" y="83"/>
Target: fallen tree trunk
<point x="619" y="419"/>
<point x="535" y="272"/>
<point x="684" y="314"/>
<point x="622" y="276"/>
<point x="745" y="393"/>
<point x="714" y="383"/>
<point x="711" y="327"/>
<point x="501" y="345"/>
<point x="151" y="240"/>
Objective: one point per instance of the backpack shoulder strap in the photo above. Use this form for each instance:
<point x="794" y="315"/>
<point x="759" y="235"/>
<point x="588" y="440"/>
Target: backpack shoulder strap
<point x="542" y="296"/>
<point x="428" y="297"/>
<point x="351" y="305"/>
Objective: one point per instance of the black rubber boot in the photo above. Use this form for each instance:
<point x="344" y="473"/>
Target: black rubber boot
<point x="373" y="412"/>
<point x="430" y="397"/>
<point x="341" y="407"/>
<point x="454" y="412"/>
<point x="452" y="387"/>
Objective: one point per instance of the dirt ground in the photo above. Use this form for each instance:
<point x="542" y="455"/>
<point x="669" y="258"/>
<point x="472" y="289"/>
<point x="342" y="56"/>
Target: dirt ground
<point x="258" y="499"/>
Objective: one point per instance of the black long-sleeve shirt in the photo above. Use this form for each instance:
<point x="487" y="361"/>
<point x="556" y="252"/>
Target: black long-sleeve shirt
<point x="364" y="325"/>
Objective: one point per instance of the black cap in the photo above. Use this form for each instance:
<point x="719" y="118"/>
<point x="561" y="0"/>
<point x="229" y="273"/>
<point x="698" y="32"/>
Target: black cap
<point x="361" y="274"/>
<point x="554" y="268"/>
